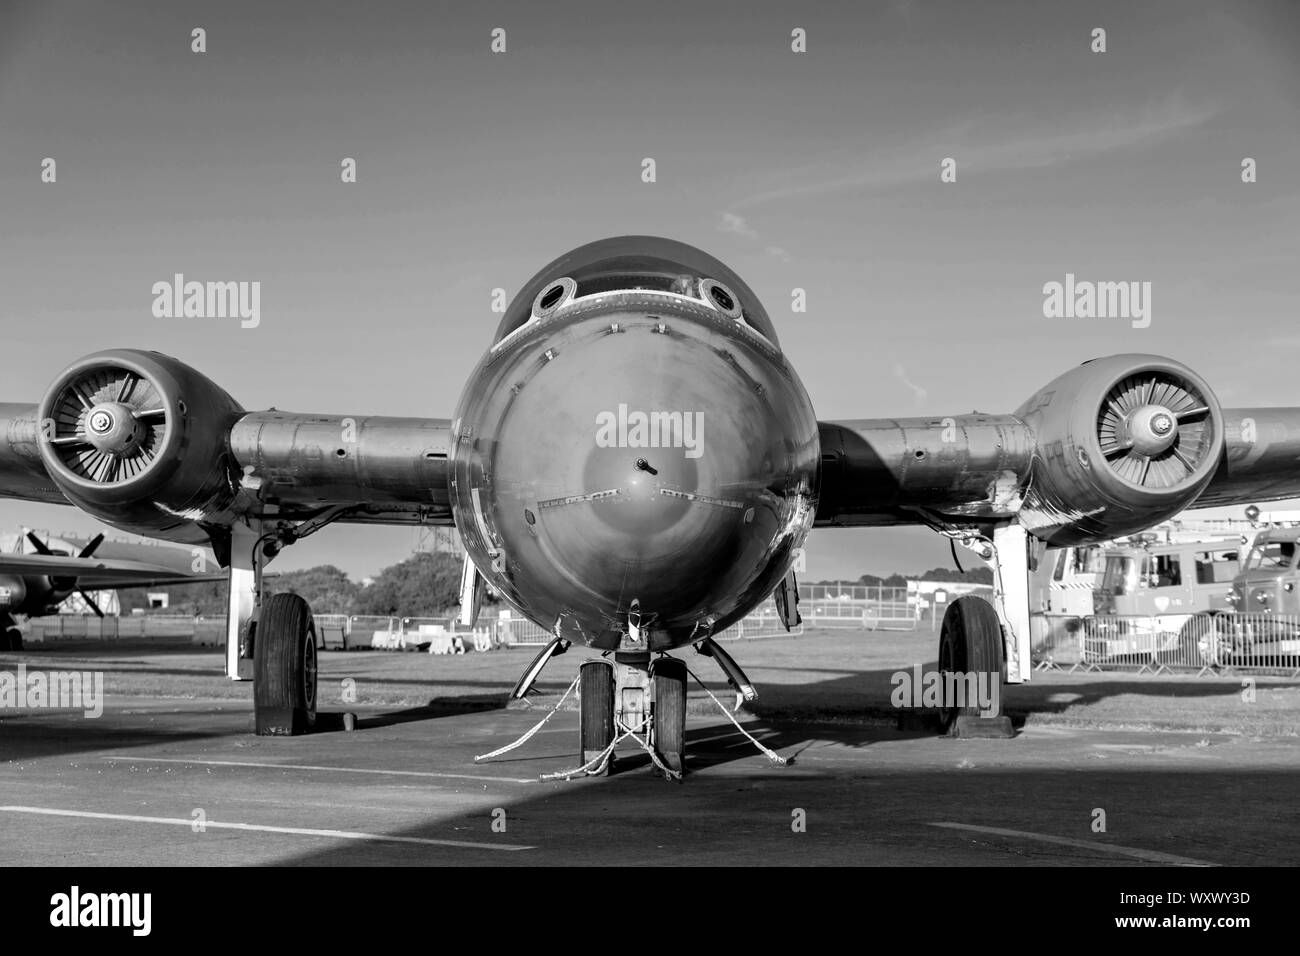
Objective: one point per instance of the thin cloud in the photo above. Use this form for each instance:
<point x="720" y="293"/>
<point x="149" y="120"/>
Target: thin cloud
<point x="980" y="147"/>
<point x="918" y="392"/>
<point x="737" y="225"/>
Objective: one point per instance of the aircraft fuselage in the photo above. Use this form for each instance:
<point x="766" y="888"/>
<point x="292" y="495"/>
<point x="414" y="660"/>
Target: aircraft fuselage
<point x="636" y="445"/>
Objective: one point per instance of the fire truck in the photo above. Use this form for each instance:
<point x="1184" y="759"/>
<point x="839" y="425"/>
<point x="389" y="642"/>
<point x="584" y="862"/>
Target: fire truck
<point x="1261" y="626"/>
<point x="1151" y="590"/>
<point x="1185" y="599"/>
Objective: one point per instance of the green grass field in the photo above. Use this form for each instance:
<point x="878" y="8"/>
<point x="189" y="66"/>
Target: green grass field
<point x="823" y="675"/>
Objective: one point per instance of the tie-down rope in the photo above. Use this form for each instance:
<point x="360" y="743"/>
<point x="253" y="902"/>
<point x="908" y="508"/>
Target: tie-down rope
<point x="540" y="724"/>
<point x="597" y="764"/>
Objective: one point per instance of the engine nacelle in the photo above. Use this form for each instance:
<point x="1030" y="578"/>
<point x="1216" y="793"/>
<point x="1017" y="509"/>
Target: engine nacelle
<point x="1122" y="443"/>
<point x="141" y="441"/>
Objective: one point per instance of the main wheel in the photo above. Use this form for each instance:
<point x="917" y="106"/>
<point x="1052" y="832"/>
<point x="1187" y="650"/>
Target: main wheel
<point x="970" y="641"/>
<point x="284" y="667"/>
<point x="669" y="712"/>
<point x="595" y="709"/>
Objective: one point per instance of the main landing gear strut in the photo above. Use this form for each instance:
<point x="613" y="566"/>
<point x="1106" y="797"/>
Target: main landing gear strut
<point x="983" y="645"/>
<point x="271" y="639"/>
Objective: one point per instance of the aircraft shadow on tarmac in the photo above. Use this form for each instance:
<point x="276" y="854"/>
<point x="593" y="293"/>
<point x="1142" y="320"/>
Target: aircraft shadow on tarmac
<point x="858" y="813"/>
<point x="29" y="736"/>
<point x="867" y="693"/>
<point x="852" y="696"/>
<point x="734" y="807"/>
<point x="331" y="721"/>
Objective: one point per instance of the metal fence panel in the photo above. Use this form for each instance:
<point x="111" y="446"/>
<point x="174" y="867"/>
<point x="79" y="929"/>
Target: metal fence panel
<point x="1166" y="643"/>
<point x="519" y="632"/>
<point x="859" y="606"/>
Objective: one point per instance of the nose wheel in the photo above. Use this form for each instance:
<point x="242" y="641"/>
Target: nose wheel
<point x="595" y="711"/>
<point x="632" y="696"/>
<point x="668" y="712"/>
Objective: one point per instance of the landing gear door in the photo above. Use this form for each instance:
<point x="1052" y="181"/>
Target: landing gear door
<point x="787" y="601"/>
<point x="472" y="588"/>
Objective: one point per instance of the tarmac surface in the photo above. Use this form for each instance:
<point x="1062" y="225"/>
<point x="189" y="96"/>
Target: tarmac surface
<point x="158" y="780"/>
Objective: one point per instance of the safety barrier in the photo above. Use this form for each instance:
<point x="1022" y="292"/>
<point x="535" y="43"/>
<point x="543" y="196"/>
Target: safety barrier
<point x="1203" y="643"/>
<point x="760" y="624"/>
<point x="332" y="631"/>
<point x="373" y="631"/>
<point x="820" y="606"/>
<point x="858" y="606"/>
<point x="437" y="634"/>
<point x="161" y="628"/>
<point x="519" y="632"/>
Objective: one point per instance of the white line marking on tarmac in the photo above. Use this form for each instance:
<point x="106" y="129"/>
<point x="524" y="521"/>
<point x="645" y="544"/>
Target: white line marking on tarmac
<point x="258" y="828"/>
<point x="298" y="766"/>
<point x="1151" y="856"/>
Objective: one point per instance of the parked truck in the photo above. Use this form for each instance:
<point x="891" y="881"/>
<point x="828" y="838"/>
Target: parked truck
<point x="1156" y="600"/>
<point x="1261" y="626"/>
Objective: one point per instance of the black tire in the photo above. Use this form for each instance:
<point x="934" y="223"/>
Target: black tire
<point x="970" y="641"/>
<point x="595" y="708"/>
<point x="669" y="726"/>
<point x="284" y="667"/>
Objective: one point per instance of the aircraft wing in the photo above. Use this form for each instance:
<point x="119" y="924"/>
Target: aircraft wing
<point x="378" y="469"/>
<point x="386" y="470"/>
<point x="1077" y="461"/>
<point x="886" y="471"/>
<point x="1261" y="458"/>
<point x="22" y="475"/>
<point x="973" y="468"/>
<point x="99" y="573"/>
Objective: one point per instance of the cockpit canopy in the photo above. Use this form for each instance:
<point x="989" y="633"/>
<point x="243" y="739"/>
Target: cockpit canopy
<point x="638" y="262"/>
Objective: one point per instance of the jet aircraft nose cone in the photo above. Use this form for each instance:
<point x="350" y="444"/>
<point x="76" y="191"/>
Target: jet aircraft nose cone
<point x="637" y="455"/>
<point x="649" y="439"/>
<point x="650" y="481"/>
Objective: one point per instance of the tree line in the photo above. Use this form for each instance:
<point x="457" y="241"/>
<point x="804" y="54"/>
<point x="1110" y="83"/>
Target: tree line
<point x="426" y="584"/>
<point x="980" y="575"/>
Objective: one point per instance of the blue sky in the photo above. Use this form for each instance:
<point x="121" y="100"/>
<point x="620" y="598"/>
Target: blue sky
<point x="816" y="170"/>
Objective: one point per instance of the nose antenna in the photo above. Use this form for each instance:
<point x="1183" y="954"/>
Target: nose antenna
<point x="634" y="621"/>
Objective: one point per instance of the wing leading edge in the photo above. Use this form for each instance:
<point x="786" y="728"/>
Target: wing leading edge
<point x="893" y="470"/>
<point x="973" y="467"/>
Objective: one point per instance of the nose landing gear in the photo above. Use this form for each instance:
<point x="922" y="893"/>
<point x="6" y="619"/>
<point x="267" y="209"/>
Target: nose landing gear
<point x="634" y="697"/>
